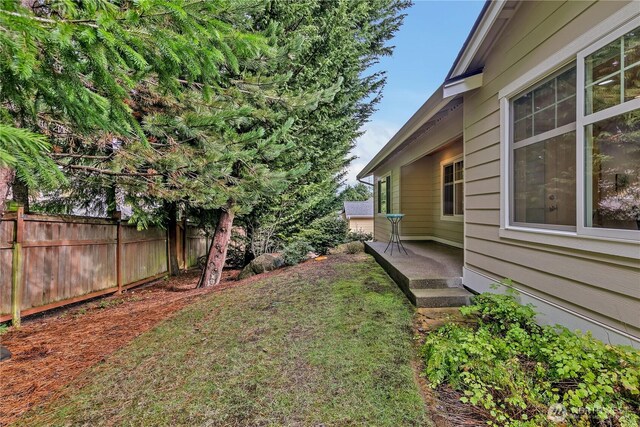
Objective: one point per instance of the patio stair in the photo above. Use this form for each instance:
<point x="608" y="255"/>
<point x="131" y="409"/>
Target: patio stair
<point x="426" y="275"/>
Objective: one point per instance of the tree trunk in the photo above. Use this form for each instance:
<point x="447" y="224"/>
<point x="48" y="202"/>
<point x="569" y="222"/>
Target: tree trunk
<point x="172" y="224"/>
<point x="212" y="271"/>
<point x="6" y="179"/>
<point x="249" y="255"/>
<point x="21" y="193"/>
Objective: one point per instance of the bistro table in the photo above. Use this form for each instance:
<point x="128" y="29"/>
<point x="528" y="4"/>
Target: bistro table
<point x="395" y="233"/>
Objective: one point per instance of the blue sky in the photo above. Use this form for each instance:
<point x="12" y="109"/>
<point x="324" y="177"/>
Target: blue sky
<point x="426" y="46"/>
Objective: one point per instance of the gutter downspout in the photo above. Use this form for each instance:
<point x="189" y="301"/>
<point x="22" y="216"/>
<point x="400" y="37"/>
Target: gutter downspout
<point x="365" y="182"/>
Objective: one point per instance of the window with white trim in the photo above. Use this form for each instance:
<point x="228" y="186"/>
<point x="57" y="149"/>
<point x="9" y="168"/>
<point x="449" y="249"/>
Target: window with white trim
<point x="543" y="153"/>
<point x="452" y="188"/>
<point x="573" y="143"/>
<point x="384" y="195"/>
<point x="611" y="123"/>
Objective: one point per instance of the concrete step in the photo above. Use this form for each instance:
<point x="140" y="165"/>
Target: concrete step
<point x="446" y="297"/>
<point x="435" y="283"/>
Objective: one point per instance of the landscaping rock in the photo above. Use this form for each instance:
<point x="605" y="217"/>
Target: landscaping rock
<point x="4" y="353"/>
<point x="265" y="262"/>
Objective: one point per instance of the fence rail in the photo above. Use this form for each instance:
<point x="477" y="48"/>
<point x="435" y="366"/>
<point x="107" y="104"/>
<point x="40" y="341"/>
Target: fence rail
<point x="48" y="261"/>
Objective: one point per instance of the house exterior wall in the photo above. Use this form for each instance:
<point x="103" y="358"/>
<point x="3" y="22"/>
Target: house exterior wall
<point x="597" y="281"/>
<point x="421" y="198"/>
<point x="415" y="184"/>
<point x="364" y="225"/>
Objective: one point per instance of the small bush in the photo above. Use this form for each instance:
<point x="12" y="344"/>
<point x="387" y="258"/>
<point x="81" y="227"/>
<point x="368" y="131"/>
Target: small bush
<point x="515" y="370"/>
<point x="325" y="233"/>
<point x="296" y="252"/>
<point x="354" y="247"/>
<point x="359" y="236"/>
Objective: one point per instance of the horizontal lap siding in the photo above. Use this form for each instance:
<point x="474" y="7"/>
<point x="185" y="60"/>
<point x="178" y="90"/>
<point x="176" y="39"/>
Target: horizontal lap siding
<point x="602" y="287"/>
<point x="361" y="224"/>
<point x="416" y="195"/>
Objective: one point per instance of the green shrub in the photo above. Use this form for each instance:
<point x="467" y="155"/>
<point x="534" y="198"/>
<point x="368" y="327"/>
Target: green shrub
<point x="296" y="251"/>
<point x="515" y="369"/>
<point x="325" y="233"/>
<point x="359" y="236"/>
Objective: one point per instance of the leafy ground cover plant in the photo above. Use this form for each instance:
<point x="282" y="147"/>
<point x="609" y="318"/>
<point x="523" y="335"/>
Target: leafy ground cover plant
<point x="522" y="374"/>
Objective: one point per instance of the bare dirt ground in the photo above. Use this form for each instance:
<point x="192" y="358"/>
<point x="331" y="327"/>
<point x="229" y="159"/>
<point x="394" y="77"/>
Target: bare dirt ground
<point x="52" y="349"/>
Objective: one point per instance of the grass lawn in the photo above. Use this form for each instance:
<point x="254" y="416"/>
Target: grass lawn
<point x="324" y="343"/>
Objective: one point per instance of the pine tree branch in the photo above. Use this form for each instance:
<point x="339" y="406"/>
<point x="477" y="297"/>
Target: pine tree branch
<point x="110" y="172"/>
<point x="88" y="23"/>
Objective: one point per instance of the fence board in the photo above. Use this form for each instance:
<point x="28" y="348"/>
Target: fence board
<point x="67" y="259"/>
<point x="6" y="260"/>
<point x="196" y="246"/>
<point x="144" y="253"/>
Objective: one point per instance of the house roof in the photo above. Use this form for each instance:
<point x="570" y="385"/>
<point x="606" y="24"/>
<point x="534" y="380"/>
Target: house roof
<point x="358" y="209"/>
<point x="465" y="74"/>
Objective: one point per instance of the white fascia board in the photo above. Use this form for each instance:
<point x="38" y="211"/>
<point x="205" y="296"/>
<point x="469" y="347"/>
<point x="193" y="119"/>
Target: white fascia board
<point x="479" y="35"/>
<point x="463" y="85"/>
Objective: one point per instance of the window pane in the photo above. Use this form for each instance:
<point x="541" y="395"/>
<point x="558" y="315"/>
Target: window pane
<point x="544" y="121"/>
<point x="382" y="196"/>
<point x="545" y="107"/>
<point x="603" y="62"/>
<point x="448" y="174"/>
<point x="604" y="94"/>
<point x="544" y="96"/>
<point x="447" y="199"/>
<point x="613" y="156"/>
<point x="632" y="83"/>
<point x="459" y="198"/>
<point x="523" y="129"/>
<point x="522" y="106"/>
<point x="632" y="47"/>
<point x="566" y="111"/>
<point x="567" y="84"/>
<point x="544" y="182"/>
<point x="459" y="175"/>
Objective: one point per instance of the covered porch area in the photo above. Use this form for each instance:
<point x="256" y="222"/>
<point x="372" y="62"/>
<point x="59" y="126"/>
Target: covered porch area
<point x="430" y="274"/>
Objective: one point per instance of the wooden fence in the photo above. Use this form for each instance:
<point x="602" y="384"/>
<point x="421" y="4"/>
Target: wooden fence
<point x="49" y="261"/>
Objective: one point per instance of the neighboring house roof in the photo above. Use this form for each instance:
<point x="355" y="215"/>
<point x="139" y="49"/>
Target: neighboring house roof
<point x="358" y="209"/>
<point x="465" y="74"/>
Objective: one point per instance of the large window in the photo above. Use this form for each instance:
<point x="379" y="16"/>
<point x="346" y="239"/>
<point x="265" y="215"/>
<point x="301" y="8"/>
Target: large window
<point x="544" y="153"/>
<point x="384" y="195"/>
<point x="452" y="188"/>
<point x="573" y="143"/>
<point x="612" y="134"/>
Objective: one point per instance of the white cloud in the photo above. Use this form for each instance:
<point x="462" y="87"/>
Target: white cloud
<point x="376" y="134"/>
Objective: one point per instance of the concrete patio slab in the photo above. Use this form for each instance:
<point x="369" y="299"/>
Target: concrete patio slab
<point x="430" y="274"/>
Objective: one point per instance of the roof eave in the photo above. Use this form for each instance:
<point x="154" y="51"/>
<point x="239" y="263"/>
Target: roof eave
<point x="488" y="16"/>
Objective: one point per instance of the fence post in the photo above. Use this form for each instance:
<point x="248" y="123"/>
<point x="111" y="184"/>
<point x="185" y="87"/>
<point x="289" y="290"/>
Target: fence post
<point x="168" y="248"/>
<point x="117" y="215"/>
<point x="16" y="269"/>
<point x="185" y="240"/>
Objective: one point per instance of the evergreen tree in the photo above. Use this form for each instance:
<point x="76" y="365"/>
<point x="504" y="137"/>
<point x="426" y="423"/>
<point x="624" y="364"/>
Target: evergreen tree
<point x="68" y="71"/>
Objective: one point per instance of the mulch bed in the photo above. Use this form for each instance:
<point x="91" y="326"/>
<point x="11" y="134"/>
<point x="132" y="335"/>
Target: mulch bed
<point x="51" y="350"/>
